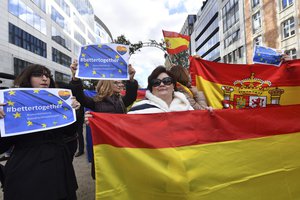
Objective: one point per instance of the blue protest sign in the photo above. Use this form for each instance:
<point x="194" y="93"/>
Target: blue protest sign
<point x="30" y="110"/>
<point x="103" y="62"/>
<point x="266" y="55"/>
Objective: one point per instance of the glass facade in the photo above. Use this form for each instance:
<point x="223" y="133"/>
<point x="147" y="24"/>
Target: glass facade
<point x="76" y="49"/>
<point x="91" y="37"/>
<point x="78" y="22"/>
<point x="230" y="14"/>
<point x="208" y="31"/>
<point x="61" y="39"/>
<point x="86" y="10"/>
<point x="65" y="7"/>
<point x="26" y="41"/>
<point x="61" y="77"/>
<point x="41" y="4"/>
<point x="19" y="65"/>
<point x="79" y="38"/>
<point x="60" y="20"/>
<point x="209" y="43"/>
<point x="19" y="9"/>
<point x="60" y="58"/>
<point x="230" y="39"/>
<point x="233" y="56"/>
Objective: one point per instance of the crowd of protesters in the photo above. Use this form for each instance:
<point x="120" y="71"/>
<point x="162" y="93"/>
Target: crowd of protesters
<point x="48" y="155"/>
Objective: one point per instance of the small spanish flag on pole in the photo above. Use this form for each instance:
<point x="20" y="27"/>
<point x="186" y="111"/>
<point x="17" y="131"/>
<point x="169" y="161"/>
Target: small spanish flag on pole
<point x="176" y="42"/>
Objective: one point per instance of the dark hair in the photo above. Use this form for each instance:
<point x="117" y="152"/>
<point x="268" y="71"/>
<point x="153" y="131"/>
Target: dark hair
<point x="156" y="72"/>
<point x="23" y="80"/>
<point x="180" y="74"/>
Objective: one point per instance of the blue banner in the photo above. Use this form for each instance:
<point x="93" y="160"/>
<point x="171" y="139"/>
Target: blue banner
<point x="30" y="110"/>
<point x="266" y="55"/>
<point x="103" y="62"/>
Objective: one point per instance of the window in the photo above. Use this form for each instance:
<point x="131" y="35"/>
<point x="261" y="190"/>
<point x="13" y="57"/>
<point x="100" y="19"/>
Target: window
<point x="286" y="3"/>
<point x="225" y="59"/>
<point x="60" y="77"/>
<point x="229" y="57"/>
<point x="256" y="22"/>
<point x="235" y="56"/>
<point x="241" y="51"/>
<point x="19" y="65"/>
<point x="230" y="14"/>
<point x="58" y="18"/>
<point x="79" y="38"/>
<point x="292" y="53"/>
<point x="60" y="58"/>
<point x="288" y="27"/>
<point x="232" y="38"/>
<point x="257" y="41"/>
<point x="255" y="3"/>
<point x="64" y="6"/>
<point x="26" y="41"/>
<point x="26" y="14"/>
<point x="41" y="4"/>
<point x="61" y="39"/>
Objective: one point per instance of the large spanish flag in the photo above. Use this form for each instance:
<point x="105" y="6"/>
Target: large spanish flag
<point x="176" y="42"/>
<point x="246" y="154"/>
<point x="247" y="86"/>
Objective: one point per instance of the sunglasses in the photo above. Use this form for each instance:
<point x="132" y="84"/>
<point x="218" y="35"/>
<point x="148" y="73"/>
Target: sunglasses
<point x="165" y="81"/>
<point x="41" y="74"/>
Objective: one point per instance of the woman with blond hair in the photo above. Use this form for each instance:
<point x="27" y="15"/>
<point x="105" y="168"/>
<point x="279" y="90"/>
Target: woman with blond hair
<point x="108" y="98"/>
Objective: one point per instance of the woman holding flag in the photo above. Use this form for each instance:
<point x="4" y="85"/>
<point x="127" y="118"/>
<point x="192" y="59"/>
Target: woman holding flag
<point x="161" y="95"/>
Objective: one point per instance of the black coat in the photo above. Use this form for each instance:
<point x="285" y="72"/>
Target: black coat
<point x="39" y="167"/>
<point x="112" y="104"/>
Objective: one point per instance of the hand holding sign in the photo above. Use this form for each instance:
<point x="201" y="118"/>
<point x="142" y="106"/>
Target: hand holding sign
<point x="103" y="62"/>
<point x="266" y="55"/>
<point x="131" y="72"/>
<point x="35" y="109"/>
<point x="2" y="114"/>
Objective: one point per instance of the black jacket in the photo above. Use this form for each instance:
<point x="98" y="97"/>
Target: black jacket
<point x="112" y="104"/>
<point x="39" y="167"/>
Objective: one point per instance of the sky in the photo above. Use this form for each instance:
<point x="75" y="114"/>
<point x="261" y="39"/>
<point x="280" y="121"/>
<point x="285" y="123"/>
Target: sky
<point x="142" y="20"/>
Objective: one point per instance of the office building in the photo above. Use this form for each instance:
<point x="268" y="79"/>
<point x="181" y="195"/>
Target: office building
<point x="47" y="32"/>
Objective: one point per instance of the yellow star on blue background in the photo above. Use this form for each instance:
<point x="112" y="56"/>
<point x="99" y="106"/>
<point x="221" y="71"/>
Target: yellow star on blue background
<point x="29" y="123"/>
<point x="10" y="103"/>
<point x="17" y="115"/>
<point x="12" y="93"/>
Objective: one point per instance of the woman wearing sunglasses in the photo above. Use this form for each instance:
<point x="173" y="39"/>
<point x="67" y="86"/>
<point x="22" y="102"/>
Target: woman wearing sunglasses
<point x="161" y="95"/>
<point x="40" y="165"/>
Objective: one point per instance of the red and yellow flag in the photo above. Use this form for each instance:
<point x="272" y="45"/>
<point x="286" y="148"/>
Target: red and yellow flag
<point x="247" y="86"/>
<point x="231" y="154"/>
<point x="176" y="42"/>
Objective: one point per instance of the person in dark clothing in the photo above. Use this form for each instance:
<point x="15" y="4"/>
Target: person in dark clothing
<point x="72" y="137"/>
<point x="80" y="139"/>
<point x="108" y="98"/>
<point x="39" y="166"/>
